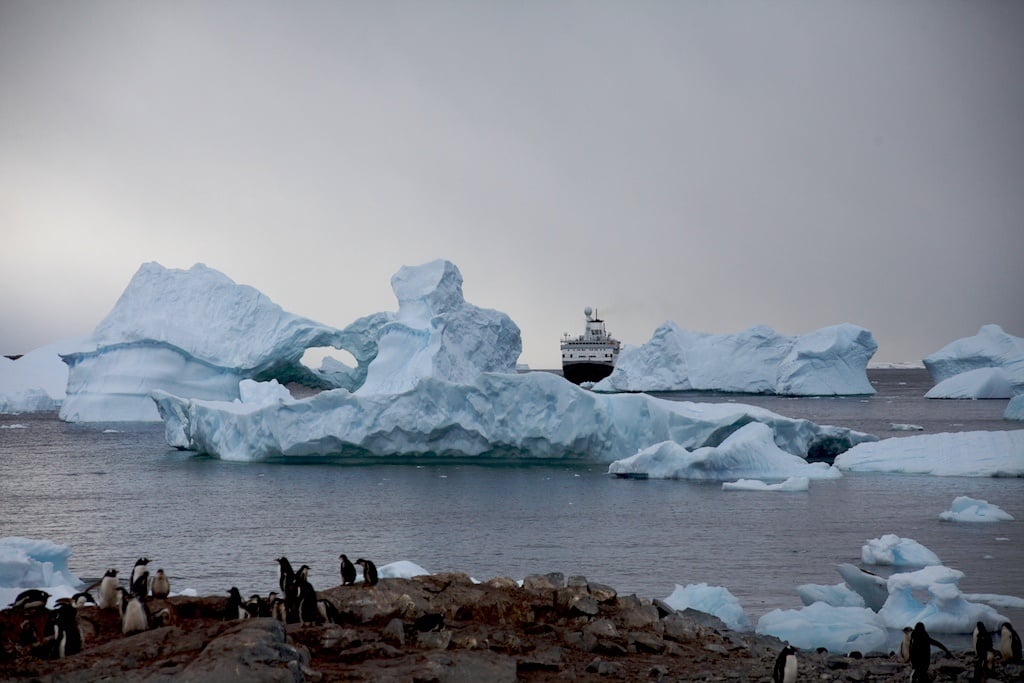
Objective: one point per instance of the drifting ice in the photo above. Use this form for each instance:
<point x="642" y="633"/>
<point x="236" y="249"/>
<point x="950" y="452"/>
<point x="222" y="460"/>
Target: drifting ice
<point x="830" y="361"/>
<point x="961" y="454"/>
<point x="993" y="359"/>
<point x="892" y="550"/>
<point x="30" y="563"/>
<point x="713" y="600"/>
<point x="966" y="509"/>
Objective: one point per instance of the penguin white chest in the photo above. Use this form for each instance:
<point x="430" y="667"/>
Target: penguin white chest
<point x="789" y="673"/>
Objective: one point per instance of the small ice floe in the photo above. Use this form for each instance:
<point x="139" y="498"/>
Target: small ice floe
<point x="905" y="427"/>
<point x="890" y="549"/>
<point x="997" y="600"/>
<point x="967" y="509"/>
<point x="714" y="600"/>
<point x="14" y="426"/>
<point x="403" y="569"/>
<point x="111" y="431"/>
<point x="790" y="485"/>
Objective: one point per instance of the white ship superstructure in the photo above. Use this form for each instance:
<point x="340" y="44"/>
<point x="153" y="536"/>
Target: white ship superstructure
<point x="591" y="356"/>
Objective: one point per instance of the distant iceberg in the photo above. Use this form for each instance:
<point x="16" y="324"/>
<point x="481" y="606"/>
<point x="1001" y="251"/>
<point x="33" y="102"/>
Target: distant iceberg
<point x="987" y="365"/>
<point x="967" y="509"/>
<point x="37" y="382"/>
<point x="827" y="362"/>
<point x="960" y="454"/>
<point x="791" y="485"/>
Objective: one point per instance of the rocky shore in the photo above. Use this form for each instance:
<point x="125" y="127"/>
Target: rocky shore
<point x="441" y="627"/>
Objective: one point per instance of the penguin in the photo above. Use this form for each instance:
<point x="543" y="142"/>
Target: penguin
<point x="303" y="572"/>
<point x="235" y="609"/>
<point x="68" y="636"/>
<point x="982" y="641"/>
<point x="285" y="575"/>
<point x="369" y="572"/>
<point x="33" y="598"/>
<point x="921" y="651"/>
<point x="1009" y="643"/>
<point x="277" y="609"/>
<point x="905" y="644"/>
<point x="140" y="577"/>
<point x="254" y="606"/>
<point x="83" y="599"/>
<point x="309" y="610"/>
<point x="108" y="593"/>
<point x="122" y="600"/>
<point x="164" y="617"/>
<point x="328" y="612"/>
<point x="785" y="666"/>
<point x="161" y="585"/>
<point x="432" y="621"/>
<point x="135" y="618"/>
<point x="267" y="607"/>
<point x="348" y="571"/>
<point x="286" y="581"/>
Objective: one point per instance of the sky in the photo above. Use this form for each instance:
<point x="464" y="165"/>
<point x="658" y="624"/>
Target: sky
<point x="717" y="164"/>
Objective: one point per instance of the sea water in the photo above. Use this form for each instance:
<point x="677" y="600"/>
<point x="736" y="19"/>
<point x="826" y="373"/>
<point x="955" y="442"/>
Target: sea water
<point x="115" y="493"/>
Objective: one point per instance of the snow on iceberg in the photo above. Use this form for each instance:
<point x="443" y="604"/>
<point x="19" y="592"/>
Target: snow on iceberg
<point x="32" y="563"/>
<point x="892" y="550"/>
<point x="714" y="600"/>
<point x="980" y="383"/>
<point x="191" y="332"/>
<point x="967" y="509"/>
<point x="1015" y="408"/>
<point x="960" y="454"/>
<point x="829" y="361"/>
<point x="790" y="485"/>
<point x="991" y="348"/>
<point x="932" y="596"/>
<point x="36" y="382"/>
<point x="839" y="629"/>
<point x="536" y="415"/>
<point x="750" y="451"/>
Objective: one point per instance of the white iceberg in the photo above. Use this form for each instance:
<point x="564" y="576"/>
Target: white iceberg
<point x="967" y="509"/>
<point x="36" y="382"/>
<point x="838" y="595"/>
<point x="829" y="361"/>
<point x="892" y="550"/>
<point x="33" y="563"/>
<point x="537" y="415"/>
<point x="997" y="600"/>
<point x="793" y="484"/>
<point x="403" y="569"/>
<point x="991" y="348"/>
<point x="750" y="452"/>
<point x="714" y="600"/>
<point x="932" y="596"/>
<point x="960" y="454"/>
<point x="872" y="588"/>
<point x="1015" y="408"/>
<point x="839" y="629"/>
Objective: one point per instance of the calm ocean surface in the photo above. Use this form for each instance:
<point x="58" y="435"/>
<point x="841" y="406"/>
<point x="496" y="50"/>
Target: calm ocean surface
<point x="115" y="496"/>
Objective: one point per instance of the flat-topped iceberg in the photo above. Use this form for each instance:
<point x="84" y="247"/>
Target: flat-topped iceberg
<point x="498" y="415"/>
<point x="827" y="362"/>
<point x="194" y="333"/>
<point x="967" y="509"/>
<point x="35" y="563"/>
<point x="992" y="360"/>
<point x="36" y="382"/>
<point x="960" y="454"/>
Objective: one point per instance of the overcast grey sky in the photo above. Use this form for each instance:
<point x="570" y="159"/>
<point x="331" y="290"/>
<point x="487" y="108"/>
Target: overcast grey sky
<point x="719" y="164"/>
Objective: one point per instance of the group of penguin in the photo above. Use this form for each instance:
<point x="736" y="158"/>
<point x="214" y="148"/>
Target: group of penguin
<point x="64" y="638"/>
<point x="916" y="648"/>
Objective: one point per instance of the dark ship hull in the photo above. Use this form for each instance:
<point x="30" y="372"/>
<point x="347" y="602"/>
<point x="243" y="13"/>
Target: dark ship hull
<point x="586" y="372"/>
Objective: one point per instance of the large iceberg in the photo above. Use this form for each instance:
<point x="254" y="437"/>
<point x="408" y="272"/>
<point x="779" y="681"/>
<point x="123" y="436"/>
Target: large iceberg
<point x="829" y="361"/>
<point x="34" y="563"/>
<point x="989" y="351"/>
<point x="191" y="332"/>
<point x="960" y="454"/>
<point x="536" y="415"/>
<point x="750" y="451"/>
<point x="839" y="629"/>
<point x="36" y="382"/>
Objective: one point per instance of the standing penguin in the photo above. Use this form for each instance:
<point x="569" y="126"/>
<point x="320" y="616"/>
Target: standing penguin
<point x="905" y="644"/>
<point x="785" y="666"/>
<point x="68" y="637"/>
<point x="235" y="609"/>
<point x="135" y="617"/>
<point x="140" y="577"/>
<point x="286" y="580"/>
<point x="309" y="609"/>
<point x="921" y="652"/>
<point x="1009" y="643"/>
<point x="161" y="585"/>
<point x="108" y="593"/>
<point x="348" y="571"/>
<point x="285" y="573"/>
<point x="369" y="572"/>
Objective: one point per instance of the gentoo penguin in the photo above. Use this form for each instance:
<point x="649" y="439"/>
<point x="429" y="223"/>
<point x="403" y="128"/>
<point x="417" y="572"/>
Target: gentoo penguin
<point x="1009" y="643"/>
<point x="83" y="599"/>
<point x="982" y="641"/>
<point x="785" y="666"/>
<point x="921" y="651"/>
<point x="235" y="609"/>
<point x="348" y="571"/>
<point x="135" y="617"/>
<point x="161" y="585"/>
<point x="108" y="593"/>
<point x="68" y="637"/>
<point x="286" y="581"/>
<point x="328" y="611"/>
<point x="905" y="644"/>
<point x="277" y="609"/>
<point x="369" y="572"/>
<point x="254" y="606"/>
<point x="285" y="574"/>
<point x="163" y="617"/>
<point x="140" y="577"/>
<point x="30" y="599"/>
<point x="303" y="572"/>
<point x="309" y="610"/>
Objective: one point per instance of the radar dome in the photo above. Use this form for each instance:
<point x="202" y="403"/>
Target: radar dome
<point x="588" y="311"/>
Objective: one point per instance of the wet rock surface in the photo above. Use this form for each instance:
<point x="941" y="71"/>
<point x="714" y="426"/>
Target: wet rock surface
<point x="439" y="628"/>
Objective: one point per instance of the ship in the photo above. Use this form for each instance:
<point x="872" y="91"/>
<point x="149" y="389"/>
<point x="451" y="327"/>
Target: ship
<point x="591" y="356"/>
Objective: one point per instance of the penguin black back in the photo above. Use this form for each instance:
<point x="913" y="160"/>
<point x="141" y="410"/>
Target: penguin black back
<point x="1009" y="643"/>
<point x="235" y="609"/>
<point x="785" y="666"/>
<point x="32" y="598"/>
<point x="348" y="571"/>
<point x="68" y="637"/>
<point x="370" y="577"/>
<point x="140" y="577"/>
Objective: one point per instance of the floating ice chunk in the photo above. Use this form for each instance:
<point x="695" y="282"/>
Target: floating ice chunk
<point x="839" y="595"/>
<point x="714" y="600"/>
<point x="839" y="629"/>
<point x="960" y="454"/>
<point x="997" y="600"/>
<point x="932" y="596"/>
<point x="890" y="549"/>
<point x="1015" y="408"/>
<point x="979" y="383"/>
<point x="790" y="485"/>
<point x="403" y="569"/>
<point x="904" y="427"/>
<point x="36" y="382"/>
<point x="34" y="563"/>
<point x="967" y="509"/>
<point x="829" y="361"/>
<point x="872" y="588"/>
<point x="990" y="348"/>
<point x="748" y="452"/>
